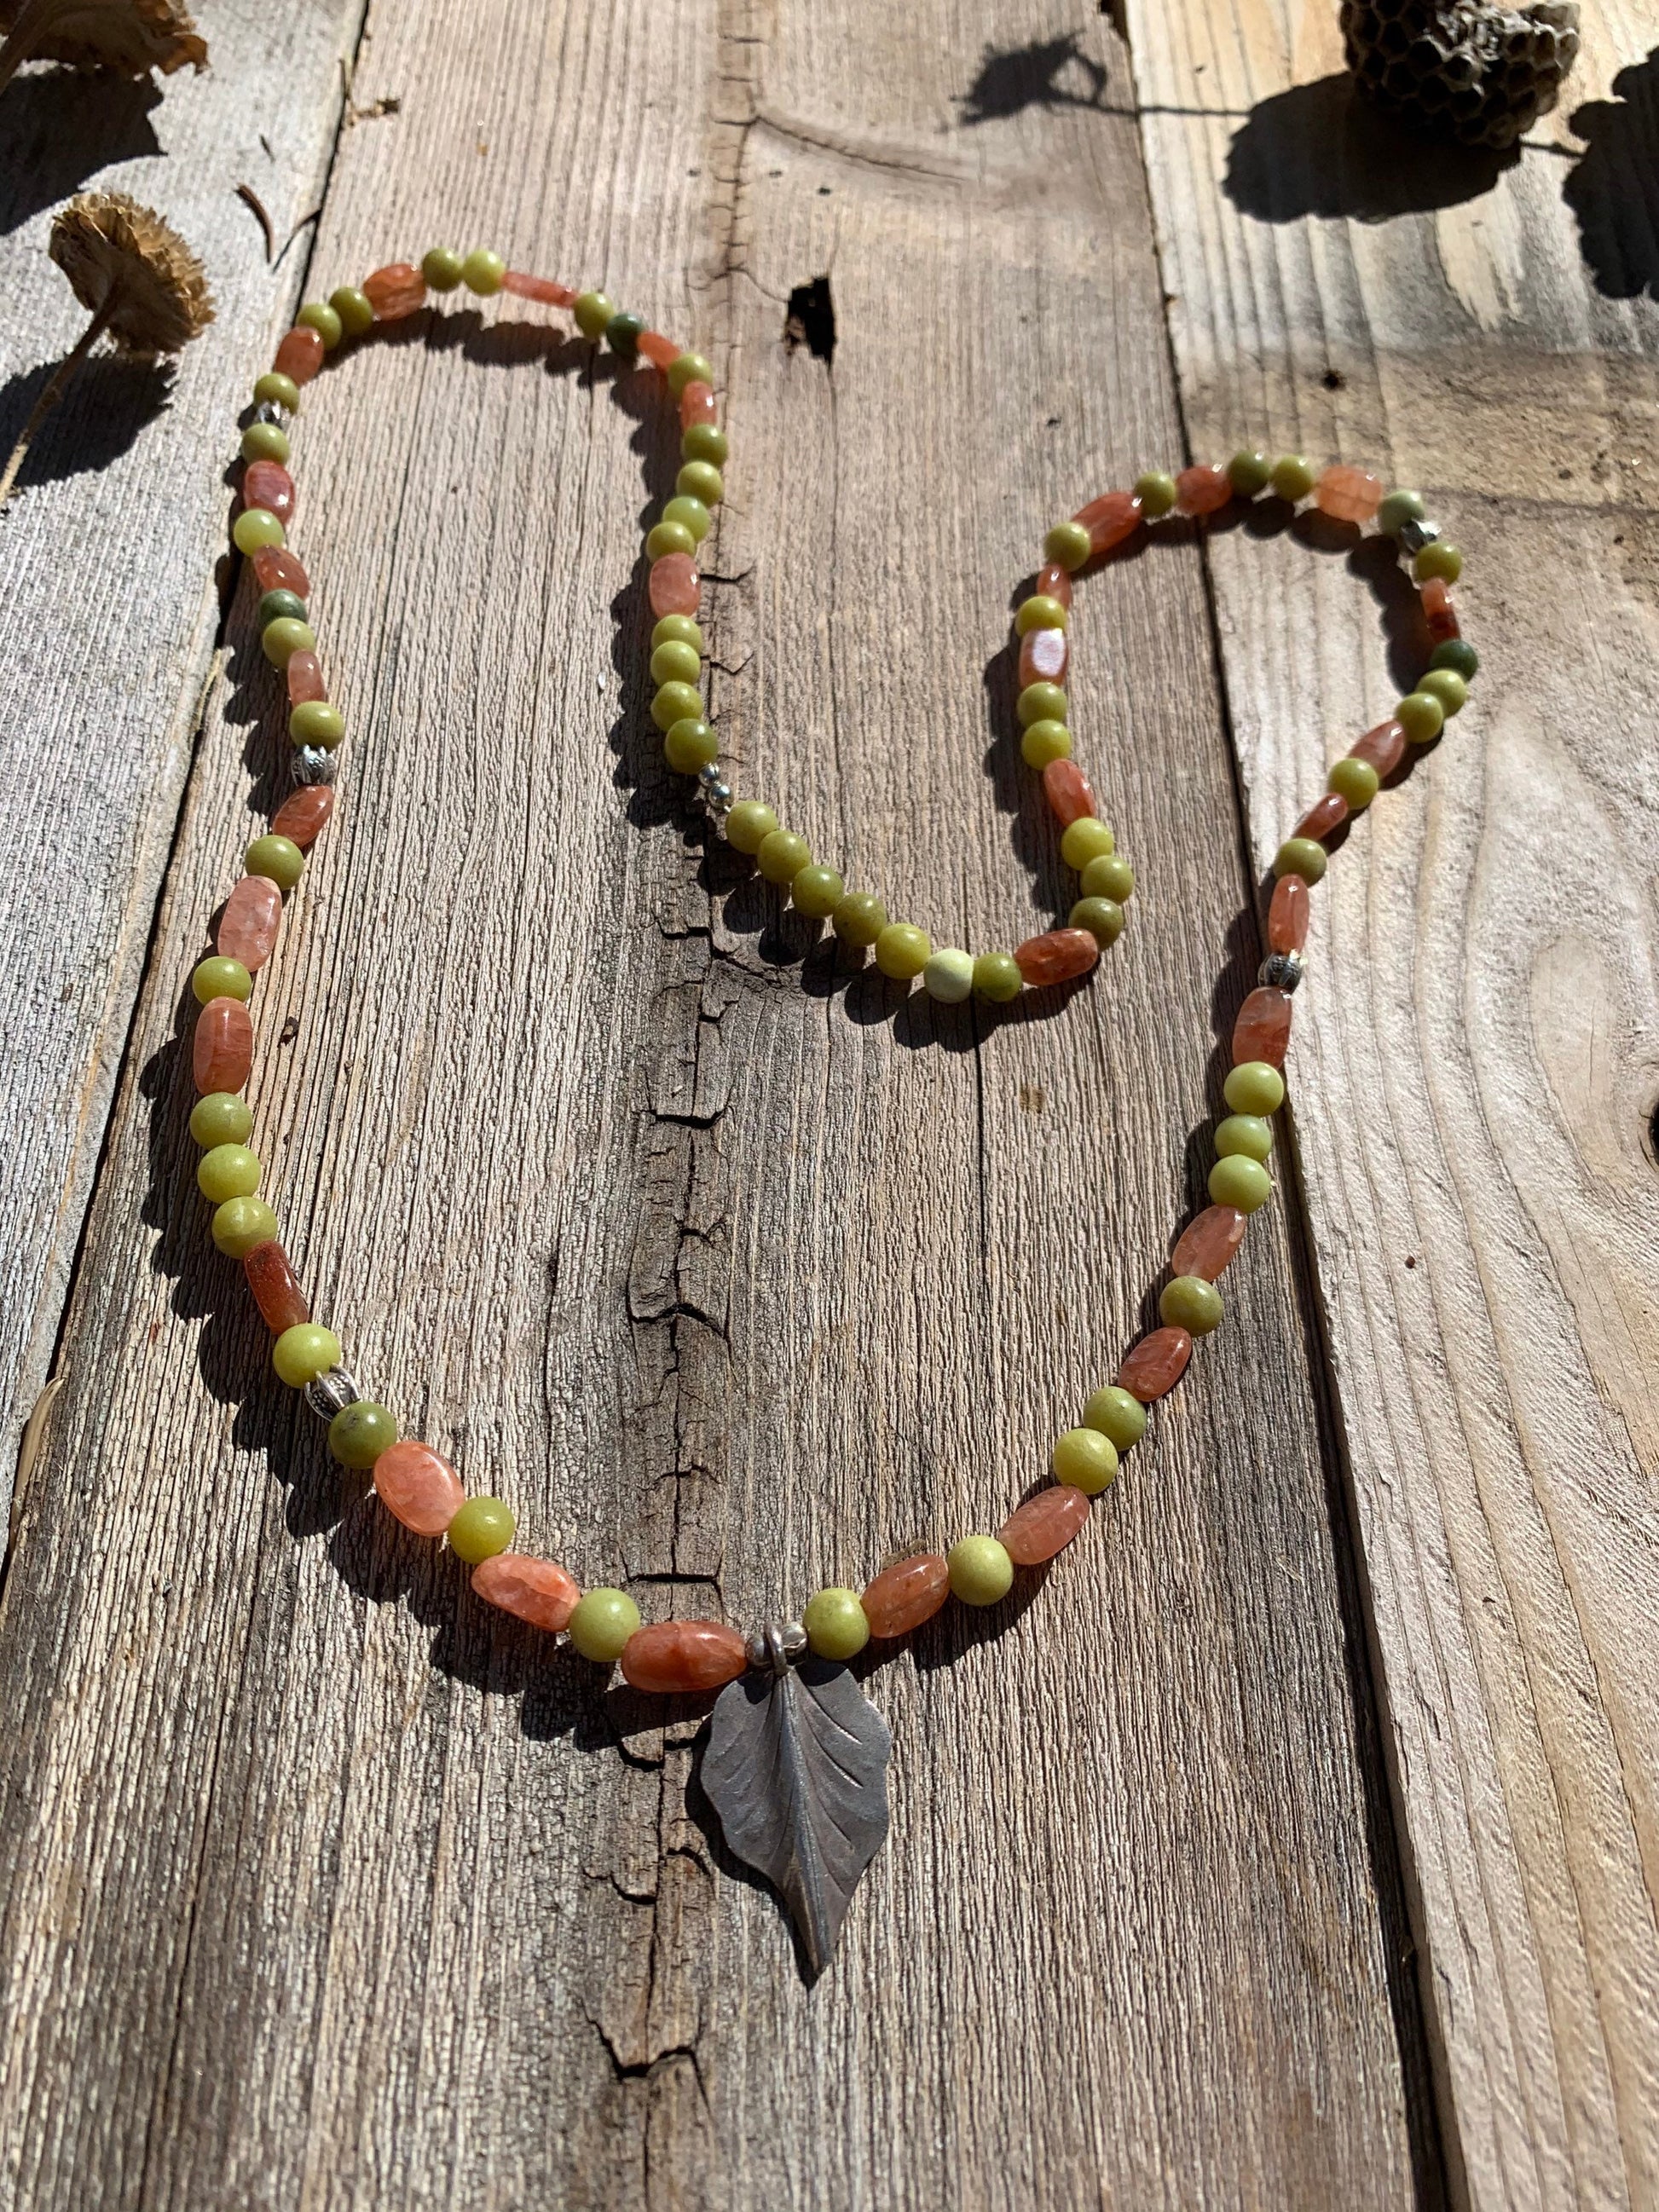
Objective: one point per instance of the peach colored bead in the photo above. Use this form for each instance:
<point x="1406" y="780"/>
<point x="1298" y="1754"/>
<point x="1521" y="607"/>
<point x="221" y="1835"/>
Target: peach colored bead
<point x="222" y="1051"/>
<point x="1328" y="813"/>
<point x="901" y="1597"/>
<point x="1208" y="1241"/>
<point x="1348" y="494"/>
<point x="1045" y="1524"/>
<point x="696" y="403"/>
<point x="535" y="1590"/>
<point x="684" y="1656"/>
<point x="268" y="485"/>
<point x="305" y="679"/>
<point x="1382" y="747"/>
<point x="676" y="587"/>
<point x="395" y="291"/>
<point x="1287" y="920"/>
<point x="1262" y="1030"/>
<point x="1203" y="488"/>
<point x="1043" y="655"/>
<point x="1156" y="1364"/>
<point x="418" y="1487"/>
<point x="1108" y="519"/>
<point x="277" y="569"/>
<point x="300" y="356"/>
<point x="248" y="926"/>
<point x="1055" y="582"/>
<point x="551" y="295"/>
<point x="662" y="353"/>
<point x="303" y="813"/>
<point x="1068" y="791"/>
<point x="275" y="1287"/>
<point x="1056" y="955"/>
<point x="1438" y="610"/>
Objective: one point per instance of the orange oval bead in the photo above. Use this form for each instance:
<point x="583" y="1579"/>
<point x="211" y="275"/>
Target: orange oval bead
<point x="1348" y="494"/>
<point x="1208" y="1242"/>
<point x="1328" y="813"/>
<point x="535" y="1590"/>
<point x="662" y="353"/>
<point x="300" y="356"/>
<point x="1054" y="582"/>
<point x="394" y="291"/>
<point x="277" y="569"/>
<point x="901" y="1596"/>
<point x="676" y="587"/>
<point x="1068" y="791"/>
<point x="1043" y="655"/>
<point x="696" y="403"/>
<point x="305" y="679"/>
<point x="551" y="295"/>
<point x="222" y="1051"/>
<point x="275" y="1287"/>
<point x="268" y="485"/>
<point x="1045" y="1524"/>
<point x="1108" y="519"/>
<point x="247" y="927"/>
<point x="1382" y="748"/>
<point x="1156" y="1364"/>
<point x="303" y="813"/>
<point x="1203" y="488"/>
<point x="1262" y="1030"/>
<point x="683" y="1655"/>
<point x="1438" y="610"/>
<point x="1056" y="955"/>
<point x="418" y="1486"/>
<point x="1287" y="917"/>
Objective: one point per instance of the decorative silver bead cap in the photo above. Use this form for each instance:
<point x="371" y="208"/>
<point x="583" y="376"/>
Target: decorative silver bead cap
<point x="313" y="765"/>
<point x="1415" y="536"/>
<point x="1282" y="970"/>
<point x="330" y="1393"/>
<point x="779" y="1646"/>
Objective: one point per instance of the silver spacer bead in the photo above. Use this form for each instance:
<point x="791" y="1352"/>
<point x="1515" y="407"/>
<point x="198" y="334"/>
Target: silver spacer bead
<point x="709" y="774"/>
<point x="330" y="1393"/>
<point x="313" y="765"/>
<point x="1415" y="536"/>
<point x="271" y="410"/>
<point x="779" y="1646"/>
<point x="1282" y="970"/>
<point x="720" y="797"/>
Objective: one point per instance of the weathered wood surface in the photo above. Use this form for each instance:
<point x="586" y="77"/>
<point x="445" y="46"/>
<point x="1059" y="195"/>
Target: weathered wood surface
<point x="1476" y="1069"/>
<point x="319" y="1887"/>
<point x="109" y="602"/>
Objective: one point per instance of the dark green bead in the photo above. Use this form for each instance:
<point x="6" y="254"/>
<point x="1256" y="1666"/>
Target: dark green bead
<point x="361" y="1432"/>
<point x="275" y="605"/>
<point x="621" y="335"/>
<point x="1457" y="654"/>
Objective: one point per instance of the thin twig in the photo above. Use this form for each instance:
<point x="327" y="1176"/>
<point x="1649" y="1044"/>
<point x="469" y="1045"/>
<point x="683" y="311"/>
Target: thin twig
<point x="249" y="197"/>
<point x="53" y="392"/>
<point x="295" y="232"/>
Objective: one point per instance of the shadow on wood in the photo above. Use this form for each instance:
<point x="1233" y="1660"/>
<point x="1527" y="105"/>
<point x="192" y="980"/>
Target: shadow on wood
<point x="1614" y="191"/>
<point x="61" y="128"/>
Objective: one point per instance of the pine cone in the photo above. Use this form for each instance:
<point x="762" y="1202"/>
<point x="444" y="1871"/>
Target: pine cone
<point x="1462" y="68"/>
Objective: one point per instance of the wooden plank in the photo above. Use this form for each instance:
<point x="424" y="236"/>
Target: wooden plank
<point x="323" y="1887"/>
<point x="1476" y="1071"/>
<point x="107" y="595"/>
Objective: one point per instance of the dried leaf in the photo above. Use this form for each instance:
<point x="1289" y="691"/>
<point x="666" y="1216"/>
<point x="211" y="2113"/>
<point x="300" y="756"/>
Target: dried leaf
<point x="132" y="37"/>
<point x="796" y="1769"/>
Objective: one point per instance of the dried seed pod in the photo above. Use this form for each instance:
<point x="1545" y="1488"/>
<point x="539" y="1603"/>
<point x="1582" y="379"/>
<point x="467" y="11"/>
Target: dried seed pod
<point x="1465" y="69"/>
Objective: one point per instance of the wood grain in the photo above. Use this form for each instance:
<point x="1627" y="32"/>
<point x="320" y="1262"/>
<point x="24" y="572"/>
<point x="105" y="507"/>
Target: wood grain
<point x="108" y="600"/>
<point x="1478" y="1063"/>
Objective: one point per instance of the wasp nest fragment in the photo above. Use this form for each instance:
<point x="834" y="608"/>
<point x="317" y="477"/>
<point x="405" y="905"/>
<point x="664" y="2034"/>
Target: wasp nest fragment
<point x="1462" y="68"/>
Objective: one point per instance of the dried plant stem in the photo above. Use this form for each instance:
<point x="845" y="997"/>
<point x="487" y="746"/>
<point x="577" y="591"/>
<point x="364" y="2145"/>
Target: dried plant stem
<point x="32" y="18"/>
<point x="55" y="386"/>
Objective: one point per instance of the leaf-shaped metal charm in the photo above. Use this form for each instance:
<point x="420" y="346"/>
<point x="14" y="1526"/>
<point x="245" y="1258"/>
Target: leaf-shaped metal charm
<point x="796" y="1769"/>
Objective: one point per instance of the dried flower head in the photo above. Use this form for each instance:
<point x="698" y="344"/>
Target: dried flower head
<point x="141" y="282"/>
<point x="131" y="36"/>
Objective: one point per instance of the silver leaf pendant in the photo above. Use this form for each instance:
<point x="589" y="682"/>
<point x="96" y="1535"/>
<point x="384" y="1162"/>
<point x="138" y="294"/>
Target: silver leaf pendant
<point x="796" y="1767"/>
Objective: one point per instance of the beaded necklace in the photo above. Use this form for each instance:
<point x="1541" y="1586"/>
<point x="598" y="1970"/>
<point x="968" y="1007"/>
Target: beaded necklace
<point x="795" y="1763"/>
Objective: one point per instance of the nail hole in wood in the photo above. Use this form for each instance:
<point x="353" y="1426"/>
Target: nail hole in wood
<point x="810" y="321"/>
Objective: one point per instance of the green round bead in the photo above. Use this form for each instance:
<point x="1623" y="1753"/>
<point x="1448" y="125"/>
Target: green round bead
<point x="1250" y="471"/>
<point x="1446" y="686"/>
<point x="592" y="312"/>
<point x="701" y="480"/>
<point x="316" y="722"/>
<point x="1156" y="490"/>
<point x="677" y="702"/>
<point x="482" y="272"/>
<point x="704" y="441"/>
<point x="281" y="640"/>
<point x="1068" y="543"/>
<point x="1250" y="1134"/>
<point x="354" y="309"/>
<point x="1399" y="508"/>
<point x="255" y="528"/>
<point x="240" y="1224"/>
<point x="602" y="1624"/>
<point x="1421" y="716"/>
<point x="859" y="919"/>
<point x="1086" y="840"/>
<point x="483" y="1527"/>
<point x="360" y="1432"/>
<point x="273" y="389"/>
<point x="1116" y="1415"/>
<point x="667" y="537"/>
<point x="1301" y="856"/>
<point x="835" y="1624"/>
<point x="1044" y="741"/>
<point x="816" y="891"/>
<point x="277" y="859"/>
<point x="263" y="441"/>
<point x="1439" y="560"/>
<point x="227" y="1171"/>
<point x="221" y="1118"/>
<point x="1255" y="1086"/>
<point x="1356" y="781"/>
<point x="676" y="630"/>
<point x="981" y="1570"/>
<point x="218" y="977"/>
<point x="997" y="977"/>
<point x="1292" y="477"/>
<point x="318" y="315"/>
<point x="275" y="606"/>
<point x="748" y="825"/>
<point x="1108" y="876"/>
<point x="901" y="951"/>
<point x="1084" y="1459"/>
<point x="303" y="1352"/>
<point x="1039" y="612"/>
<point x="781" y="855"/>
<point x="690" y="745"/>
<point x="690" y="513"/>
<point x="689" y="369"/>
<point x="674" y="662"/>
<point x="1040" y="703"/>
<point x="1191" y="1303"/>
<point x="1102" y="917"/>
<point x="1240" y="1181"/>
<point x="1457" y="654"/>
<point x="441" y="267"/>
<point x="622" y="334"/>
